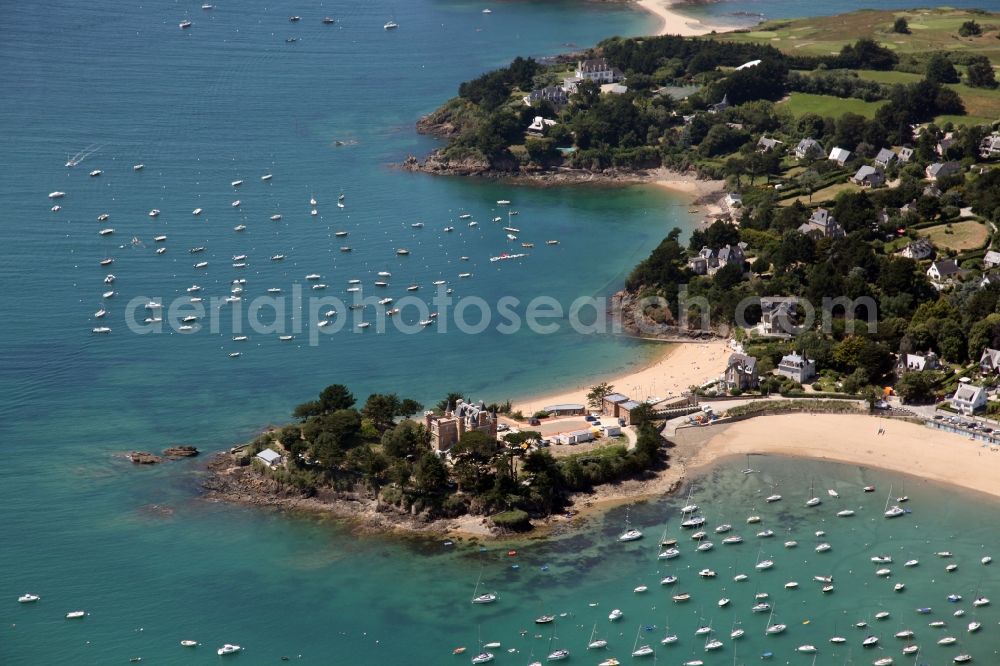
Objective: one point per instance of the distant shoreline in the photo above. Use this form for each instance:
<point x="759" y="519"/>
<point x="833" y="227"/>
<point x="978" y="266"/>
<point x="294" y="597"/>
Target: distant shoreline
<point x="673" y="22"/>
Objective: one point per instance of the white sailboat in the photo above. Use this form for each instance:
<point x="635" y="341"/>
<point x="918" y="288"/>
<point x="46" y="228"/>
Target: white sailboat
<point x="486" y="598"/>
<point x="596" y="643"/>
<point x="630" y="533"/>
<point x="643" y="651"/>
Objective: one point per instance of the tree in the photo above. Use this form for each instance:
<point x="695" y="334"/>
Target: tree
<point x="809" y="180"/>
<point x="381" y="409"/>
<point x="595" y="397"/>
<point x="642" y="415"/>
<point x="940" y="69"/>
<point x="983" y="334"/>
<point x="407" y="440"/>
<point x="970" y="29"/>
<point x="430" y="474"/>
<point x="980" y="73"/>
<point x="901" y="26"/>
<point x="334" y="397"/>
<point x="647" y="444"/>
<point x="916" y="387"/>
<point x="449" y="402"/>
<point x="408" y="407"/>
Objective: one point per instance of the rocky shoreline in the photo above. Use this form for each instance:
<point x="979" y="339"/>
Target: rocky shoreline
<point x="229" y="481"/>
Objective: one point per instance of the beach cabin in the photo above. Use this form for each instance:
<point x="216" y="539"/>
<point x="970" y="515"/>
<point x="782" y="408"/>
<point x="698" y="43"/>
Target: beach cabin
<point x="575" y="437"/>
<point x="610" y="403"/>
<point x="625" y="411"/>
<point x="567" y="409"/>
<point x="968" y="398"/>
<point x="269" y="457"/>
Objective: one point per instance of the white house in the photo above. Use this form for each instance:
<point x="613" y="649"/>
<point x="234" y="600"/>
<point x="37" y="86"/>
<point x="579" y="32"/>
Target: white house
<point x="989" y="147"/>
<point x="269" y="457"/>
<point x="539" y="125"/>
<point x="884" y="158"/>
<point x="597" y="70"/>
<point x="989" y="362"/>
<point x="919" y="249"/>
<point x="797" y="367"/>
<point x="840" y="156"/>
<point x="918" y="362"/>
<point x="942" y="271"/>
<point x="806" y="146"/>
<point x="991" y="259"/>
<point x="968" y="398"/>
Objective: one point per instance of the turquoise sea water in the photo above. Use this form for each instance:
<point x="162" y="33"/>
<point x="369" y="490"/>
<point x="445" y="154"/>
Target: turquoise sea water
<point x="230" y="99"/>
<point x="748" y="12"/>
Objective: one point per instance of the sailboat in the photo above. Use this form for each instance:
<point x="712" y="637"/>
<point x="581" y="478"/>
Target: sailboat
<point x="630" y="533"/>
<point x="487" y="598"/>
<point x="670" y="638"/>
<point x="643" y="651"/>
<point x="773" y="629"/>
<point x="596" y="643"/>
<point x="748" y="469"/>
<point x="813" y="499"/>
<point x="484" y="657"/>
<point x="895" y="511"/>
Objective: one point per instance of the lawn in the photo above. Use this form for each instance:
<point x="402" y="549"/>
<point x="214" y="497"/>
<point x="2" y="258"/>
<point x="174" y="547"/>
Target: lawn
<point x="958" y="236"/>
<point x="980" y="103"/>
<point x="828" y="193"/>
<point x="799" y="104"/>
<point x="930" y="30"/>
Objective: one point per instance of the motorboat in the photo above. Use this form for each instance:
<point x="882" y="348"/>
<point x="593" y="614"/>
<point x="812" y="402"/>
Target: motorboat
<point x="791" y="585"/>
<point x="734" y="538"/>
<point x="236" y="203"/>
<point x="954" y="598"/>
<point x="240" y="227"/>
<point x="545" y="619"/>
<point x="882" y="615"/>
<point x="138" y="167"/>
<point x="986" y="560"/>
<point x="911" y="563"/>
<point x="159" y="239"/>
<point x="103" y="217"/>
<point x="905" y="633"/>
<point x="72" y="615"/>
<point x="266" y="177"/>
<point x="705" y="545"/>
<point x="706" y="573"/>
<point x="154" y="213"/>
<point x="739" y="578"/>
<point x="189" y="643"/>
<point x="56" y="208"/>
<point x="723" y="602"/>
<point x="723" y="528"/>
<point x="823" y="579"/>
<point x="981" y="601"/>
<point x="974" y="627"/>
<point x="869" y="641"/>
<point x="286" y="338"/>
<point x="763" y="565"/>
<point x="201" y="264"/>
<point x="962" y="658"/>
<point x="761" y="607"/>
<point x="947" y="640"/>
<point x="236" y="183"/>
<point x="106" y="232"/>
<point x="184" y="25"/>
<point x="95" y="173"/>
<point x="277" y="257"/>
<point x="483" y="658"/>
<point x="161" y="250"/>
<point x="713" y="644"/>
<point x="823" y="547"/>
<point x="764" y="534"/>
<point x="56" y="195"/>
<point x="832" y="493"/>
<point x="753" y="519"/>
<point x="951" y="567"/>
<point x="640" y="589"/>
<point x="791" y="544"/>
<point x="808" y="649"/>
<point x="28" y="598"/>
<point x="615" y="614"/>
<point x="683" y="596"/>
<point x="558" y="655"/>
<point x="844" y="513"/>
<point x="898" y="587"/>
<point x="313" y="276"/>
<point x="108" y="294"/>
<point x="943" y="553"/>
<point x="275" y="217"/>
<point x="773" y="498"/>
<point x="228" y="648"/>
<point x="869" y="489"/>
<point x="402" y="252"/>
<point x="364" y="324"/>
<point x="328" y="20"/>
<point x="390" y="25"/>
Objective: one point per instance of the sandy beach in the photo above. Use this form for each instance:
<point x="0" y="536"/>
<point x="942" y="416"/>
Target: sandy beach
<point x="676" y="23"/>
<point x="680" y="366"/>
<point x="904" y="447"/>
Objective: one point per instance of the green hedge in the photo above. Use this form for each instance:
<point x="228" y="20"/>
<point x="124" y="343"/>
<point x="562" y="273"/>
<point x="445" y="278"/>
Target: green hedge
<point x="515" y="520"/>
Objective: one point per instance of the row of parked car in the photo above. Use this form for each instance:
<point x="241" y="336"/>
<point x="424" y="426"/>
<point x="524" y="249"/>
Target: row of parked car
<point x="959" y="423"/>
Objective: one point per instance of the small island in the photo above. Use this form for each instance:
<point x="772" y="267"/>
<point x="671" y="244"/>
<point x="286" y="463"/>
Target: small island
<point x="456" y="467"/>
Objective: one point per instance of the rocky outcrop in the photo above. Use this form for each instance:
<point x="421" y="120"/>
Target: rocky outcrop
<point x="632" y="315"/>
<point x="144" y="458"/>
<point x="180" y="451"/>
<point x="437" y="163"/>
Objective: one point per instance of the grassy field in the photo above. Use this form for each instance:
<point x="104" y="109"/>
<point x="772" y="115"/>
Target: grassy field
<point x="826" y="194"/>
<point x="960" y="236"/>
<point x="799" y="104"/>
<point x="980" y="103"/>
<point x="930" y="30"/>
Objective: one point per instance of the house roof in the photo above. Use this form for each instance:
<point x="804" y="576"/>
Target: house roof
<point x="569" y="406"/>
<point x="749" y="363"/>
<point x="945" y="267"/>
<point x="595" y="65"/>
<point x="840" y="154"/>
<point x="938" y="167"/>
<point x="992" y="256"/>
<point x="805" y="144"/>
<point x="885" y="156"/>
<point x="993" y="355"/>
<point x="629" y="405"/>
<point x="615" y="397"/>
<point x="968" y="392"/>
<point x="270" y="456"/>
<point x="865" y="172"/>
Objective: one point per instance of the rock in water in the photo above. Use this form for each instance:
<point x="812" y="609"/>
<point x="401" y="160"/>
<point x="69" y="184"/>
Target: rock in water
<point x="144" y="458"/>
<point x="180" y="451"/>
